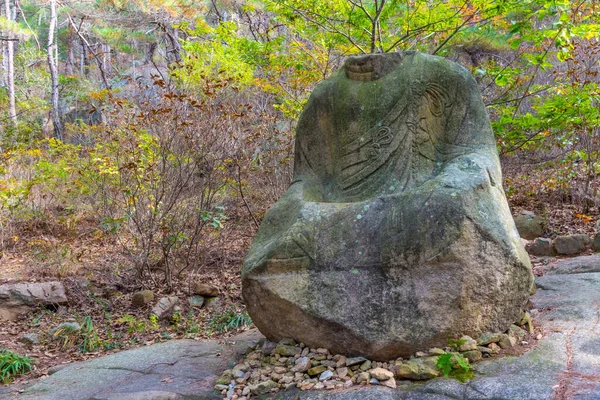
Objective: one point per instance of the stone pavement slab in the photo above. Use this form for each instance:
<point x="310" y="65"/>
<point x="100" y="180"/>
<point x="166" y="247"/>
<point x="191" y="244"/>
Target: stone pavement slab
<point x="171" y="370"/>
<point x="564" y="365"/>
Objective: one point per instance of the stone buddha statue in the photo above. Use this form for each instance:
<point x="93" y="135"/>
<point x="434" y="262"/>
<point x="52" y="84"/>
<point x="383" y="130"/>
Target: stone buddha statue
<point x="395" y="234"/>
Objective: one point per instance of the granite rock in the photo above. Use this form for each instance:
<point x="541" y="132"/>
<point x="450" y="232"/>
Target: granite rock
<point x="412" y="147"/>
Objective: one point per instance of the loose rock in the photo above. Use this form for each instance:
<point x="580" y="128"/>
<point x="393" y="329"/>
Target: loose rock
<point x="541" y="247"/>
<point x="225" y="378"/>
<point x="65" y="329"/>
<point x="31" y="338"/>
<point x="381" y="374"/>
<point x="436" y="351"/>
<point x="472" y="355"/>
<point x="505" y="342"/>
<point x="517" y="332"/>
<point x="263" y="387"/>
<point x="213" y="303"/>
<point x="142" y="298"/>
<point x="205" y="290"/>
<point x="196" y="301"/>
<point x="391" y="383"/>
<point x="164" y="307"/>
<point x="469" y="344"/>
<point x="354" y="361"/>
<point x="526" y="321"/>
<point x="316" y="370"/>
<point x="365" y="366"/>
<point x="529" y="225"/>
<point x="237" y="374"/>
<point x="571" y="244"/>
<point x="20" y="298"/>
<point x="286" y="350"/>
<point x="303" y="364"/>
<point x="485" y="351"/>
<point x="488" y="338"/>
<point x="418" y="369"/>
<point x="325" y="375"/>
<point x="494" y="348"/>
<point x="363" y="377"/>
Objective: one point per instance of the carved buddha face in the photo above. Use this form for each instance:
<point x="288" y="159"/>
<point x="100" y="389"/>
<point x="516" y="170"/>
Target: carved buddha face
<point x="370" y="67"/>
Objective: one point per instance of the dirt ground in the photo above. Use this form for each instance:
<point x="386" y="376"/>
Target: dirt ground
<point x="99" y="285"/>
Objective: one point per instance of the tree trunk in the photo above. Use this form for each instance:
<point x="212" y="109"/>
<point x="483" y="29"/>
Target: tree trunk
<point x="70" y="54"/>
<point x="84" y="62"/>
<point x="10" y="70"/>
<point x="103" y="50"/>
<point x="174" y="53"/>
<point x="150" y="53"/>
<point x="4" y="73"/>
<point x="58" y="128"/>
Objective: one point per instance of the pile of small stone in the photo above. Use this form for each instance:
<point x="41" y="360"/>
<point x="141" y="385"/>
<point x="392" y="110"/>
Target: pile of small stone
<point x="270" y="367"/>
<point x="203" y="295"/>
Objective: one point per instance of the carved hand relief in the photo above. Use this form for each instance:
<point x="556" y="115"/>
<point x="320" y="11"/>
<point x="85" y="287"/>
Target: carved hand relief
<point x="381" y="138"/>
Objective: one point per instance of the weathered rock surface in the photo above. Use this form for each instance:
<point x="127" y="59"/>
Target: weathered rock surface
<point x="395" y="234"/>
<point x="20" y="298"/>
<point x="65" y="329"/>
<point x="176" y="369"/>
<point x="142" y="298"/>
<point x="418" y="369"/>
<point x="564" y="364"/>
<point x="542" y="373"/>
<point x="542" y="247"/>
<point x="196" y="301"/>
<point x="141" y="395"/>
<point x="381" y="374"/>
<point x="571" y="244"/>
<point x="31" y="338"/>
<point x="596" y="242"/>
<point x="529" y="225"/>
<point x="165" y="306"/>
<point x="214" y="303"/>
<point x="203" y="289"/>
<point x="575" y="265"/>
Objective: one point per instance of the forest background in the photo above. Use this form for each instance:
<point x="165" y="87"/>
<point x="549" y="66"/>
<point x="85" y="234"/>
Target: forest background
<point x="141" y="142"/>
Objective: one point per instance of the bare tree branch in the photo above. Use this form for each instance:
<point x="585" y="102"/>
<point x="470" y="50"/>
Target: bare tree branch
<point x="87" y="44"/>
<point x="18" y="4"/>
<point x="329" y="29"/>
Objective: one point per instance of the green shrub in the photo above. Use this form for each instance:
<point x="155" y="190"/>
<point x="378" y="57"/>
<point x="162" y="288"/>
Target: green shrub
<point x="136" y="325"/>
<point x="229" y="320"/>
<point x="456" y="366"/>
<point x="13" y="364"/>
<point x="90" y="340"/>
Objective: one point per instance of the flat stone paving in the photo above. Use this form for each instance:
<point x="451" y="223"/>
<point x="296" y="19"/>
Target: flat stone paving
<point x="564" y="365"/>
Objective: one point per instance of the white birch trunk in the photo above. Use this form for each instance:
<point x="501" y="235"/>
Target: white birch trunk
<point x="52" y="65"/>
<point x="10" y="70"/>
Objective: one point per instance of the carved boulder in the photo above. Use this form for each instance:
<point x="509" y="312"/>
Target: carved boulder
<point x="395" y="234"/>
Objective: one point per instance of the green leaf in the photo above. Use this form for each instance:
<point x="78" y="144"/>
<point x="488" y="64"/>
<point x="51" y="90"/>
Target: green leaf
<point x="444" y="363"/>
<point x="501" y="80"/>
